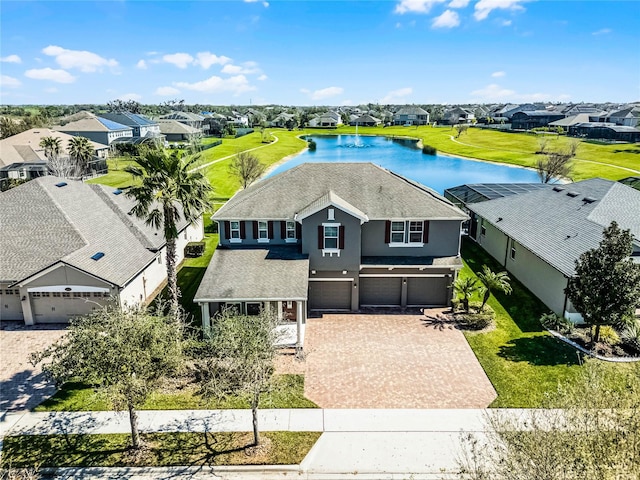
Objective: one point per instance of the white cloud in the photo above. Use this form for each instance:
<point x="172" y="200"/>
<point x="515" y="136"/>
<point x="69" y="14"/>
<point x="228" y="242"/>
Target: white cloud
<point x="142" y="65"/>
<point x="130" y="96"/>
<point x="493" y="92"/>
<point x="484" y="7"/>
<point x="448" y="19"/>
<point x="416" y="6"/>
<point x="602" y="31"/>
<point x="395" y="95"/>
<point x="236" y="85"/>
<point x="166" y="91"/>
<point x="498" y="74"/>
<point x="9" y="82"/>
<point x="81" y="59"/>
<point x="11" y="59"/>
<point x="325" y="93"/>
<point x="458" y="3"/>
<point x="506" y="23"/>
<point x="262" y="77"/>
<point x="246" y="68"/>
<point x="206" y="59"/>
<point x="55" y="75"/>
<point x="265" y="4"/>
<point x="180" y="60"/>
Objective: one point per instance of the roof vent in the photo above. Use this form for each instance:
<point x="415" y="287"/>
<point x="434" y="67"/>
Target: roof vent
<point x="61" y="184"/>
<point x="558" y="189"/>
<point x="572" y="194"/>
<point x="97" y="256"/>
<point x="117" y="191"/>
<point x="588" y="200"/>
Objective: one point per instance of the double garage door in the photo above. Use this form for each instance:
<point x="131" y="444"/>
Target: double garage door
<point x="387" y="291"/>
<point x="378" y="291"/>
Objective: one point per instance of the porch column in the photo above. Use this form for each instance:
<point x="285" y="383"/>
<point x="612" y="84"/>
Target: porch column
<point x="27" y="312"/>
<point x="206" y="319"/>
<point x="299" y="323"/>
<point x="279" y="311"/>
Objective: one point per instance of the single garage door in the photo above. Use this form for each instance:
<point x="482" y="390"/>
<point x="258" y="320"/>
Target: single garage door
<point x="427" y="290"/>
<point x="328" y="295"/>
<point x="380" y="291"/>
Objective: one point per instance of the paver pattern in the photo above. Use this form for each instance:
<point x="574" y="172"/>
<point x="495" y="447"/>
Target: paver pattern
<point x="23" y="386"/>
<point x="391" y="361"/>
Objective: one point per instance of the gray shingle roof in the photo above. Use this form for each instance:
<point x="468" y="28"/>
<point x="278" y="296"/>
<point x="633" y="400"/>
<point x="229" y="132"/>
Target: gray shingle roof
<point x="277" y="273"/>
<point x="175" y="127"/>
<point x="378" y="193"/>
<point x="411" y="110"/>
<point x="558" y="227"/>
<point x="43" y="224"/>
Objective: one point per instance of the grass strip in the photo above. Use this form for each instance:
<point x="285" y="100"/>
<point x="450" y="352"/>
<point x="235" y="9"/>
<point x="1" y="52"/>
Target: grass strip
<point x="161" y="450"/>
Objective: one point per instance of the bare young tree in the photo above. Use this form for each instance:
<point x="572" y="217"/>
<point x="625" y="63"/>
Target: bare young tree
<point x="247" y="167"/>
<point x="557" y="164"/>
<point x="461" y="128"/>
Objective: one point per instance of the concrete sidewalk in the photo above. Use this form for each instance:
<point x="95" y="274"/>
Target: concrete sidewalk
<point x="380" y="444"/>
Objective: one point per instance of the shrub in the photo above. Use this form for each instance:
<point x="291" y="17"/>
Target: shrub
<point x="631" y="335"/>
<point x="557" y="323"/>
<point x="312" y="145"/>
<point x="608" y="335"/>
<point x="194" y="249"/>
<point x="477" y="320"/>
<point x="429" y="150"/>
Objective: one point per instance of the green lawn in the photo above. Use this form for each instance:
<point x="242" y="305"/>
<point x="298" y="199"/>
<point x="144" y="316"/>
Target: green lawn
<point x="163" y="450"/>
<point x="288" y="392"/>
<point x="522" y="360"/>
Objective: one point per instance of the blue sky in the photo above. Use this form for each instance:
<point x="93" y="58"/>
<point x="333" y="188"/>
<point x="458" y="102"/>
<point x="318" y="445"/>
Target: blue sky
<point x="319" y="52"/>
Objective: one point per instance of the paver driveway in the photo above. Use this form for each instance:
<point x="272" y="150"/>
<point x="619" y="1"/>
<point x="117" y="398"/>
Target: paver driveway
<point x="391" y="361"/>
<point x="22" y="386"/>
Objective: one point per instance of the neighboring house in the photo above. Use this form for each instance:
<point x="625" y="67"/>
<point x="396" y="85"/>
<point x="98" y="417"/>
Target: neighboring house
<point x="255" y="117"/>
<point x="143" y="127"/>
<point x="567" y="122"/>
<point x="175" y="131"/>
<point x="633" y="182"/>
<point x="332" y="236"/>
<point x="328" y="119"/>
<point x="70" y="247"/>
<point x="458" y="115"/>
<point x="628" y="117"/>
<point x="21" y="155"/>
<point x="605" y="131"/>
<point x="238" y="120"/>
<point x="462" y="195"/>
<point x="534" y="119"/>
<point x="538" y="236"/>
<point x="97" y="129"/>
<point x="191" y="119"/>
<point x="283" y="120"/>
<point x="411" y="115"/>
<point x="366" y="121"/>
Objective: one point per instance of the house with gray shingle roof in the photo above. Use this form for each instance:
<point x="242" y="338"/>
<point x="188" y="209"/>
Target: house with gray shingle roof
<point x="332" y="236"/>
<point x="143" y="127"/>
<point x="537" y="236"/>
<point x="175" y="131"/>
<point x="70" y="247"/>
<point x="411" y="115"/>
<point x="97" y="129"/>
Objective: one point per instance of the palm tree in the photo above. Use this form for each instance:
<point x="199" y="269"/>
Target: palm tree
<point x="493" y="282"/>
<point x="80" y="151"/>
<point x="52" y="147"/>
<point x="466" y="287"/>
<point x="169" y="190"/>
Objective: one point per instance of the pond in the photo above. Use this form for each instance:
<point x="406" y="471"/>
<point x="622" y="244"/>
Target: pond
<point x="402" y="156"/>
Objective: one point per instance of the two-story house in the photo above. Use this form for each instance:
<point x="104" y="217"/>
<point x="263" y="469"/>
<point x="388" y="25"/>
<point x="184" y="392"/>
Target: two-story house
<point x="411" y="115"/>
<point x="332" y="236"/>
<point x="96" y="129"/>
<point x="142" y="126"/>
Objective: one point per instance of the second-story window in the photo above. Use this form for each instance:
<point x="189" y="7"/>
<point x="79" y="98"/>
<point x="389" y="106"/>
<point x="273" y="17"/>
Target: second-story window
<point x="397" y="232"/>
<point x="291" y="230"/>
<point x="415" y="232"/>
<point x="263" y="230"/>
<point x="331" y="237"/>
<point x="234" y="230"/>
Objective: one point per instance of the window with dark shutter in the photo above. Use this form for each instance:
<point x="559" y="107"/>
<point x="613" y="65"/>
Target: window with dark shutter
<point x="270" y="229"/>
<point x="243" y="230"/>
<point x="341" y="238"/>
<point x="298" y="231"/>
<point x="227" y="229"/>
<point x="425" y="232"/>
<point x="283" y="230"/>
<point x="255" y="229"/>
<point x="320" y="237"/>
<point x="387" y="231"/>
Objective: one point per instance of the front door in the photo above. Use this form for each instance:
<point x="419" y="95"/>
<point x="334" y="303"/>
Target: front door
<point x="289" y="311"/>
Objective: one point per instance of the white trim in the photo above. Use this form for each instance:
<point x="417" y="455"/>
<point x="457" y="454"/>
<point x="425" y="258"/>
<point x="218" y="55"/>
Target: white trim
<point x="331" y="214"/>
<point x="402" y="245"/>
<point x="331" y="252"/>
<point x="291" y="240"/>
<point x="72" y="289"/>
<point x="253" y="299"/>
<point x="408" y="275"/>
<point x="263" y="240"/>
<point x="331" y="279"/>
<point x="235" y="240"/>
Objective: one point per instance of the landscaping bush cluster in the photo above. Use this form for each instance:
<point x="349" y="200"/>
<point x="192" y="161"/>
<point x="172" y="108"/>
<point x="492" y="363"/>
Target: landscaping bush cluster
<point x="631" y="335"/>
<point x="194" y="249"/>
<point x="312" y="144"/>
<point x="552" y="321"/>
<point x="429" y="150"/>
<point x="474" y="319"/>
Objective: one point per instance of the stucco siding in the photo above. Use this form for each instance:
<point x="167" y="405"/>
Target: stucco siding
<point x="493" y="241"/>
<point x="250" y="239"/>
<point x="444" y="240"/>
